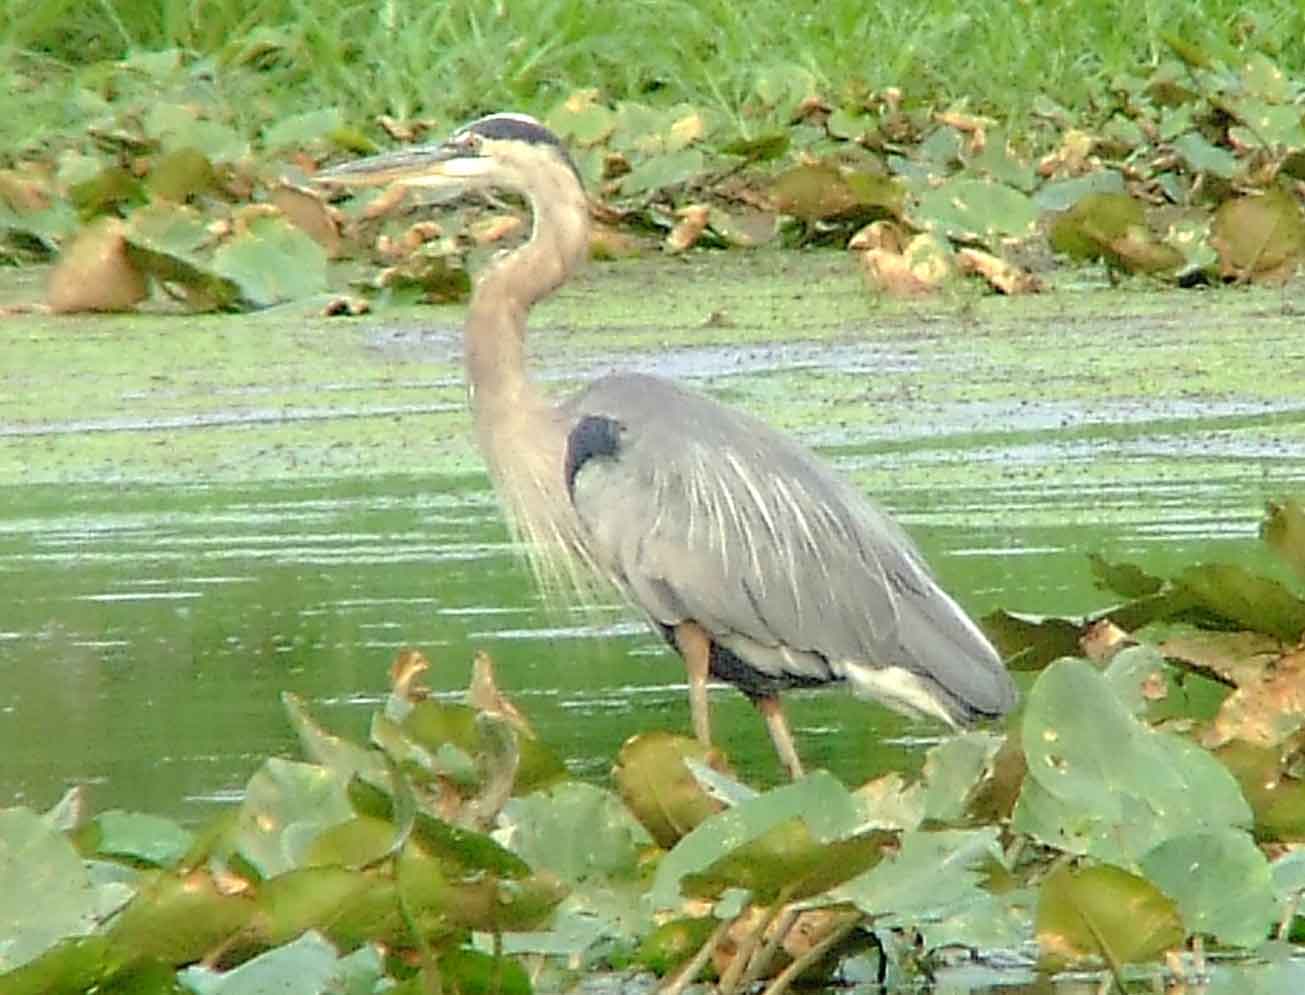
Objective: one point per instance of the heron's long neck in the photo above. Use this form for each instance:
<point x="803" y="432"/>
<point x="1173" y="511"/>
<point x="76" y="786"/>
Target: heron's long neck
<point x="495" y="332"/>
<point x="521" y="434"/>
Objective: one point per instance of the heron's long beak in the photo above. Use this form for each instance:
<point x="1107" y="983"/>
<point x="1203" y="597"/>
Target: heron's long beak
<point x="420" y="166"/>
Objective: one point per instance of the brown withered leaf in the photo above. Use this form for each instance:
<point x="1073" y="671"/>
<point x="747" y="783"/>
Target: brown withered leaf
<point x="687" y="130"/>
<point x="1102" y="640"/>
<point x="971" y="125"/>
<point x="495" y="228"/>
<point x="389" y="200"/>
<point x="484" y="695"/>
<point x="1232" y="658"/>
<point x="309" y="212"/>
<point x="922" y="267"/>
<point x="95" y="273"/>
<point x="1004" y="277"/>
<point x="886" y="235"/>
<point x="1265" y="709"/>
<point x="1072" y="158"/>
<point x="24" y="190"/>
<point x="607" y="242"/>
<point x="405" y="671"/>
<point x="689" y="228"/>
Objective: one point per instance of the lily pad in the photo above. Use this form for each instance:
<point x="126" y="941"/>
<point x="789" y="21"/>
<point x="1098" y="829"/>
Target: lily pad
<point x="272" y="261"/>
<point x="659" y="788"/>
<point x="788" y="861"/>
<point x="1104" y="913"/>
<point x="933" y="876"/>
<point x="1232" y="593"/>
<point x="304" y="967"/>
<point x="1283" y="530"/>
<point x="976" y="211"/>
<point x="1259" y="237"/>
<point x="1276" y="797"/>
<point x="828" y="810"/>
<point x="149" y="839"/>
<point x="44" y="891"/>
<point x="664" y="171"/>
<point x="179" y="919"/>
<point x="1202" y="157"/>
<point x="1221" y="882"/>
<point x="1101" y="782"/>
<point x="287" y="805"/>
<point x="578" y="831"/>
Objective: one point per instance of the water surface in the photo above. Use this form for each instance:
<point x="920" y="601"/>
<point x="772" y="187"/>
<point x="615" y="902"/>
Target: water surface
<point x="180" y="543"/>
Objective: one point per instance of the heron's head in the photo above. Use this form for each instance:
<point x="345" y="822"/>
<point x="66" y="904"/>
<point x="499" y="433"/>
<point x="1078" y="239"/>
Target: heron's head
<point x="509" y="151"/>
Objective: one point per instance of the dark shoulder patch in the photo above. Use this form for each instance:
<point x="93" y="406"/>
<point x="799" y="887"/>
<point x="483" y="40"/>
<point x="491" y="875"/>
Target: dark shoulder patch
<point x="593" y="437"/>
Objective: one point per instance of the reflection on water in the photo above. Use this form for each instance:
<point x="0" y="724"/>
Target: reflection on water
<point x="148" y="631"/>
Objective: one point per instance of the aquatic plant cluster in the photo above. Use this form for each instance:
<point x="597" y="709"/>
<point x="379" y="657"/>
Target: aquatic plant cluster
<point x="1189" y="170"/>
<point x="1139" y="815"/>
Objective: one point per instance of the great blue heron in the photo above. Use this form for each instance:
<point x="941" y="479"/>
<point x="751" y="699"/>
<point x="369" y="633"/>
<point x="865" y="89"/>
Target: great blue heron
<point x="756" y="561"/>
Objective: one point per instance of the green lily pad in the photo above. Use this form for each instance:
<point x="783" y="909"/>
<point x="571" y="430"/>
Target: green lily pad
<point x="343" y="756"/>
<point x="1267" y="125"/>
<point x="165" y="241"/>
<point x="1202" y="157"/>
<point x="299" y="130"/>
<point x="953" y="771"/>
<point x="933" y="876"/>
<point x="309" y="898"/>
<point x="829" y="811"/>
<point x="659" y="789"/>
<point x="663" y="171"/>
<point x="976" y="211"/>
<point x="179" y="919"/>
<point x="1104" y="913"/>
<point x="1283" y="529"/>
<point x="355" y="843"/>
<point x="45" y="895"/>
<point x="471" y="972"/>
<point x="287" y="805"/>
<point x="578" y="831"/>
<point x="759" y="148"/>
<point x="76" y="964"/>
<point x="149" y="839"/>
<point x="1030" y="642"/>
<point x="582" y="119"/>
<point x="674" y="942"/>
<point x="1233" y="593"/>
<point x="787" y="860"/>
<point x="1259" y="236"/>
<point x="181" y="174"/>
<point x="1112" y="226"/>
<point x="1277" y="798"/>
<point x="1221" y="883"/>
<point x="820" y="191"/>
<point x="177" y="126"/>
<point x="304" y="967"/>
<point x="1102" y="783"/>
<point x="272" y="261"/>
<point x="1125" y="579"/>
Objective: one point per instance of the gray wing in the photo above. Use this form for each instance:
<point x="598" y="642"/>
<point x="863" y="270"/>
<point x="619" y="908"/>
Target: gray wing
<point x="700" y="512"/>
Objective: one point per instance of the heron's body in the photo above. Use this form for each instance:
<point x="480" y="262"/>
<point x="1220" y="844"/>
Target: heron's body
<point x="758" y="562"/>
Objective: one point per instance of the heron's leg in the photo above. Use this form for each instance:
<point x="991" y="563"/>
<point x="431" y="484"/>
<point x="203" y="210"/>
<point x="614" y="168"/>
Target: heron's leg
<point x="769" y="707"/>
<point x="695" y="646"/>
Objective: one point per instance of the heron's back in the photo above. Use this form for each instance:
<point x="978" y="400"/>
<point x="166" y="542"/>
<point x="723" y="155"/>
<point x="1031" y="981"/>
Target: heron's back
<point x="701" y="512"/>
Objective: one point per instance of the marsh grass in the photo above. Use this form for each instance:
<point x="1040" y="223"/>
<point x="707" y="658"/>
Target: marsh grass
<point x="449" y="60"/>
